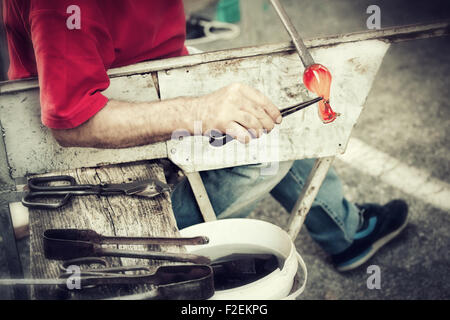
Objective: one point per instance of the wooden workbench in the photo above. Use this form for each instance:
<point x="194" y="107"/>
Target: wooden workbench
<point x="113" y="215"/>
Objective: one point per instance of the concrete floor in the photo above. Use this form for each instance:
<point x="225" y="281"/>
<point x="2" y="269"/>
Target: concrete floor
<point x="407" y="116"/>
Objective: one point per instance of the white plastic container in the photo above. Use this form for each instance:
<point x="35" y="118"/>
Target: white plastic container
<point x="242" y="235"/>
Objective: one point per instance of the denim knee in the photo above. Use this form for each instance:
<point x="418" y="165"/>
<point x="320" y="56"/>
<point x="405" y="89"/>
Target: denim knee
<point x="233" y="192"/>
<point x="244" y="186"/>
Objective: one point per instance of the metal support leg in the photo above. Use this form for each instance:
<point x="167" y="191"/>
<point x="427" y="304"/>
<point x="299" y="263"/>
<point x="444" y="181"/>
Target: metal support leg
<point x="308" y="194"/>
<point x="9" y="241"/>
<point x="201" y="196"/>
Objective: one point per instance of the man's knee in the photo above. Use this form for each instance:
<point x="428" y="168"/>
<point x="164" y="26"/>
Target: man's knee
<point x="264" y="172"/>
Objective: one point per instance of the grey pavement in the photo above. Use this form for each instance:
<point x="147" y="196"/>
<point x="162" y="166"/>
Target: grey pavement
<point x="407" y="116"/>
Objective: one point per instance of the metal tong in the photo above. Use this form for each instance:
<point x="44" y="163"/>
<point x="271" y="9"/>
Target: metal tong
<point x="38" y="190"/>
<point x="65" y="244"/>
<point x="171" y="281"/>
<point x="175" y="282"/>
<point x="218" y="139"/>
<point x="178" y="282"/>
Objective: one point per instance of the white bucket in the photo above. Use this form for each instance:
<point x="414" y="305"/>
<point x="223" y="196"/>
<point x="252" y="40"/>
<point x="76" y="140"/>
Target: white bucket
<point x="261" y="237"/>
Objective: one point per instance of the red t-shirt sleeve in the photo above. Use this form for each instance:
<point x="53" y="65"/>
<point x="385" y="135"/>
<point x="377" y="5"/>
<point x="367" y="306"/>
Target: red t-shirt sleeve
<point x="71" y="64"/>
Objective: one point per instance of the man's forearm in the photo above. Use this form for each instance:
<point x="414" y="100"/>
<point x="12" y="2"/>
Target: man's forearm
<point x="122" y="124"/>
<point x="237" y="110"/>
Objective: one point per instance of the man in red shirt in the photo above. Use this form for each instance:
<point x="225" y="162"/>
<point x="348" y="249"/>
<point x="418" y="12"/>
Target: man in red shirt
<point x="71" y="58"/>
<point x="72" y="64"/>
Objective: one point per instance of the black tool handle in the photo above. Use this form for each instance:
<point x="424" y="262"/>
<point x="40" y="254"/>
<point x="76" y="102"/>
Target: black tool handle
<point x="218" y="139"/>
<point x="36" y="184"/>
<point x="297" y="107"/>
<point x="31" y="200"/>
<point x="39" y="191"/>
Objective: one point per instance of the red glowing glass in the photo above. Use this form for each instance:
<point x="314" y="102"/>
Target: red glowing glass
<point x="317" y="79"/>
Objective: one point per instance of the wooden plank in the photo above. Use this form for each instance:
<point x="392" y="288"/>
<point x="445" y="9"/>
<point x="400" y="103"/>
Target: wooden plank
<point x="308" y="194"/>
<point x="278" y="76"/>
<point x="12" y="86"/>
<point x="32" y="149"/>
<point x="9" y="243"/>
<point x="113" y="215"/>
<point x="20" y="219"/>
<point x="6" y="182"/>
<point x="390" y="34"/>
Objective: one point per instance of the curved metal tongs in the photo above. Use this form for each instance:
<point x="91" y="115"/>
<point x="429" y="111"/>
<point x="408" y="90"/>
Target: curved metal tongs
<point x="39" y="190"/>
<point x="175" y="282"/>
<point x="64" y="244"/>
<point x="169" y="281"/>
<point x="178" y="282"/>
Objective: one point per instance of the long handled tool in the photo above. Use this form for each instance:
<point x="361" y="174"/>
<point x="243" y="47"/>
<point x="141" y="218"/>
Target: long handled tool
<point x="92" y="236"/>
<point x="315" y="73"/>
<point x="170" y="281"/>
<point x="302" y="51"/>
<point x="193" y="283"/>
<point x="65" y="244"/>
<point x="38" y="190"/>
<point x="316" y="77"/>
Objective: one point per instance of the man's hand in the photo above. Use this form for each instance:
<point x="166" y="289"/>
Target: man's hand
<point x="237" y="110"/>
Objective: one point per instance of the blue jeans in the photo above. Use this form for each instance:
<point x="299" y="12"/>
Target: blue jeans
<point x="235" y="192"/>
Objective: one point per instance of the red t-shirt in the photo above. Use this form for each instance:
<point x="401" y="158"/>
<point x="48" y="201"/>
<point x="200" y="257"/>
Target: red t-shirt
<point x="71" y="63"/>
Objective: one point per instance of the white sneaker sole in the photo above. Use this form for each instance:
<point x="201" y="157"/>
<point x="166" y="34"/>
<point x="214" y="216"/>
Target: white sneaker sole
<point x="375" y="247"/>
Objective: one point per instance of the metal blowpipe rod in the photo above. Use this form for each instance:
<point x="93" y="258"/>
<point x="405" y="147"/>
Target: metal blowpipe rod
<point x="302" y="51"/>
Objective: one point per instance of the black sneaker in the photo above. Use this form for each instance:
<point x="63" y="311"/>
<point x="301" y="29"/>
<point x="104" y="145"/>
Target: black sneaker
<point x="380" y="225"/>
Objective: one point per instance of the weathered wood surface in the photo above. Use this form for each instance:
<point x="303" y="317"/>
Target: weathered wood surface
<point x="278" y="76"/>
<point x="112" y="215"/>
<point x="390" y="35"/>
<point x="37" y="151"/>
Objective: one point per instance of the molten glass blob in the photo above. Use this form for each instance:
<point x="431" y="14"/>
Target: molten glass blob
<point x="317" y="79"/>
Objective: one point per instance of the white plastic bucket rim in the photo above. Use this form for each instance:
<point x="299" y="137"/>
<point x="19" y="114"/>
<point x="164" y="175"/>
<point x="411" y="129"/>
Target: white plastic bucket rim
<point x="276" y="285"/>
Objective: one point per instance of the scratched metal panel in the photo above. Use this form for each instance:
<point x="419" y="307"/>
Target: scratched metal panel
<point x="301" y="135"/>
<point x="31" y="148"/>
